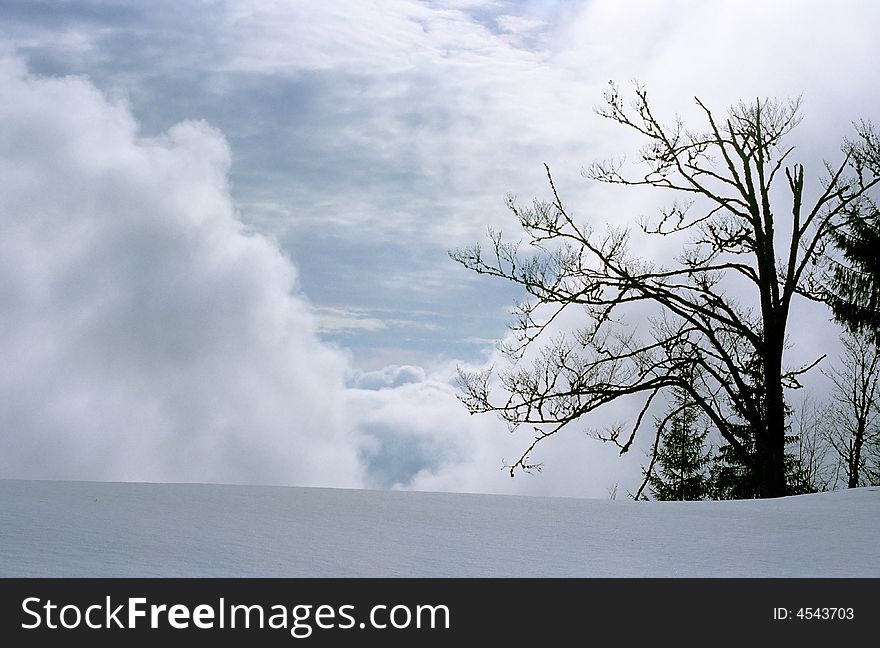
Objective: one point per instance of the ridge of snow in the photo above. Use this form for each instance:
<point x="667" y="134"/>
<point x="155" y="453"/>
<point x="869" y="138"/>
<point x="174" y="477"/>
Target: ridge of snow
<point x="107" y="529"/>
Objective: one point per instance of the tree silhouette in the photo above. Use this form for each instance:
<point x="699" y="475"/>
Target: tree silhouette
<point x="854" y="287"/>
<point x="724" y="300"/>
<point x="679" y="466"/>
<point x="856" y="398"/>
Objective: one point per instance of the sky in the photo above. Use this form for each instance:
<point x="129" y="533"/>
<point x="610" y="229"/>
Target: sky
<point x="226" y="225"/>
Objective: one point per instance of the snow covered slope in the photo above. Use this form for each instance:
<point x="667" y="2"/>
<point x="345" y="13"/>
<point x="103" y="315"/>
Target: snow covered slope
<point x="128" y="529"/>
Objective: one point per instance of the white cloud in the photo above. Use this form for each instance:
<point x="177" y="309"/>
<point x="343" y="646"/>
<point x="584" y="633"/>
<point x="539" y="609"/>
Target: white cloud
<point x="420" y="437"/>
<point x="145" y="334"/>
<point x="341" y="319"/>
<point x="518" y="24"/>
<point x="283" y="37"/>
<point x="387" y="377"/>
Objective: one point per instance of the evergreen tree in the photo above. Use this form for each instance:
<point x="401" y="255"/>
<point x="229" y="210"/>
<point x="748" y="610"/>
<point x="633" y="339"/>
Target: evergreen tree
<point x="855" y="299"/>
<point x="680" y="465"/>
<point x="733" y="471"/>
<point x="731" y="476"/>
<point x="854" y="291"/>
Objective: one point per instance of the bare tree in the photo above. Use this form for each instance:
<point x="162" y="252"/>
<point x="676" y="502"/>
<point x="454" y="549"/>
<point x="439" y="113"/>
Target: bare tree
<point x="856" y="394"/>
<point x="872" y="462"/>
<point x="815" y="465"/>
<point x="727" y="176"/>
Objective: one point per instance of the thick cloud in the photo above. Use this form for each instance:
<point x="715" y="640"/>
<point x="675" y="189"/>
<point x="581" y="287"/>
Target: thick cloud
<point x="145" y="333"/>
<point x="418" y="436"/>
<point x="387" y="377"/>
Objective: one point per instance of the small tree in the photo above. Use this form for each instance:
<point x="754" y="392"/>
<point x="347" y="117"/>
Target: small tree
<point x="872" y="463"/>
<point x="815" y="458"/>
<point x="732" y="472"/>
<point x="731" y="475"/>
<point x="727" y="174"/>
<point x="856" y="395"/>
<point x="679" y="466"/>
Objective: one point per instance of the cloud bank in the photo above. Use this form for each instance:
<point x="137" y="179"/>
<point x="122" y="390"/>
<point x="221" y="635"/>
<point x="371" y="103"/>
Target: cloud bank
<point x="146" y="334"/>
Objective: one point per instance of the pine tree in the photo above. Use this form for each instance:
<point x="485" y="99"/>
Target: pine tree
<point x="680" y="466"/>
<point x="856" y="294"/>
<point x="854" y="290"/>
<point x="733" y="469"/>
<point x="731" y="476"/>
<point x="731" y="473"/>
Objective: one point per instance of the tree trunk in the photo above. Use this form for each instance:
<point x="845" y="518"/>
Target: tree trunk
<point x="771" y="453"/>
<point x="856" y="456"/>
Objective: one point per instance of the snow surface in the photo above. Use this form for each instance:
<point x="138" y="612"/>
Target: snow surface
<point x="133" y="529"/>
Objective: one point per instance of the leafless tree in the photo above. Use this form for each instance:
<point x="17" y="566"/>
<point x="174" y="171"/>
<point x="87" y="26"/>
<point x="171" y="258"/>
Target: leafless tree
<point x="815" y="462"/>
<point x="727" y="176"/>
<point x="855" y="432"/>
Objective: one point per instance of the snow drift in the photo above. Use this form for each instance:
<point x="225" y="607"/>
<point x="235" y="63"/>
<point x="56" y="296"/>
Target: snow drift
<point x="93" y="529"/>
